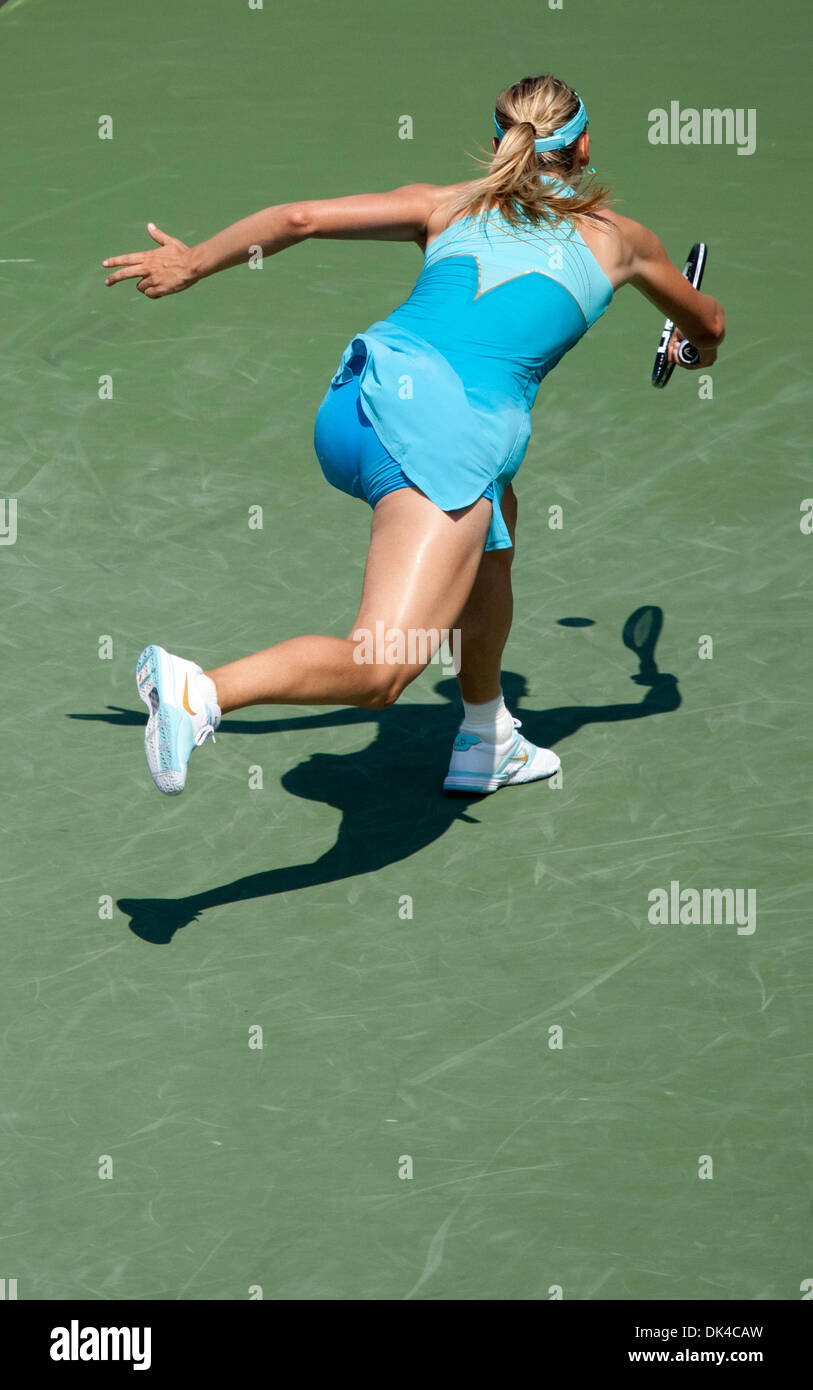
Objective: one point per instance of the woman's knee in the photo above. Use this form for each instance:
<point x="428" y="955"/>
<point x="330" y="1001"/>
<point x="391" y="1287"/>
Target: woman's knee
<point x="384" y="684"/>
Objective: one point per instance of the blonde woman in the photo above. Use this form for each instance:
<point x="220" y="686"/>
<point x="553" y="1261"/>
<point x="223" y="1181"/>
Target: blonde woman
<point x="428" y="419"/>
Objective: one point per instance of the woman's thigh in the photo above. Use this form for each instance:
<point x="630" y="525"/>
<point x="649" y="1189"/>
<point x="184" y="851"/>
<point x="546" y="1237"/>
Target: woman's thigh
<point x="420" y="568"/>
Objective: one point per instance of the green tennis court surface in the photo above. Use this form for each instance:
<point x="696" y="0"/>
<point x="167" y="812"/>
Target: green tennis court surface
<point x="536" y="1167"/>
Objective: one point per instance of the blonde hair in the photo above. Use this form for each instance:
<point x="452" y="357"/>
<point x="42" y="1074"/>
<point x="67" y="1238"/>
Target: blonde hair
<point x="532" y="109"/>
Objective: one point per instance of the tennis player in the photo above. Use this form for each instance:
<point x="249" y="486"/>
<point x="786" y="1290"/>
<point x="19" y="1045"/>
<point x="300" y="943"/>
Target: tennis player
<point x="428" y="418"/>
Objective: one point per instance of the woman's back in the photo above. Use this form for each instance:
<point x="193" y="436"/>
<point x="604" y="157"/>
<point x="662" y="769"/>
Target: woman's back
<point x="503" y="303"/>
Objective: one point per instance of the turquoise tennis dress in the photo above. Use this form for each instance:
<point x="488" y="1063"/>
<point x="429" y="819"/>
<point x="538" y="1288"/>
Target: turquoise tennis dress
<point x="439" y="394"/>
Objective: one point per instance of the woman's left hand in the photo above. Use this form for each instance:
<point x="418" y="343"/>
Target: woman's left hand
<point x="167" y="269"/>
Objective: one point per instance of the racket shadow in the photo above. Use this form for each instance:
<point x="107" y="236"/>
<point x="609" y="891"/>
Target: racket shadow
<point x="389" y="793"/>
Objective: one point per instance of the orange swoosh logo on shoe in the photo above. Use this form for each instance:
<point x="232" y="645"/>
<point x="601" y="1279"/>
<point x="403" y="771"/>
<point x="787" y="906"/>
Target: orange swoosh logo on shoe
<point x="186" y="703"/>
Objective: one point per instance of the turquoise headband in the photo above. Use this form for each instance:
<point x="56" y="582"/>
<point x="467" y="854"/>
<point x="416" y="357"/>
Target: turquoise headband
<point x="565" y="135"/>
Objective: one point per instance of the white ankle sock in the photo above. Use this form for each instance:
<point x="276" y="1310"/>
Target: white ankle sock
<point x="209" y="692"/>
<point x="491" y="721"/>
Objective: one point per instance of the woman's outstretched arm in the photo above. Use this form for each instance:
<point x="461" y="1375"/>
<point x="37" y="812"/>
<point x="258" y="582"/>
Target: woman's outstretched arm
<point x="172" y="266"/>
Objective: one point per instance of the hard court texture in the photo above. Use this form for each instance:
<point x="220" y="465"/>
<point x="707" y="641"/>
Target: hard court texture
<point x="409" y="958"/>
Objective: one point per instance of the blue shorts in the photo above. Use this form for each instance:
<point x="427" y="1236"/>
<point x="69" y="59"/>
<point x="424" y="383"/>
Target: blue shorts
<point x="350" y="453"/>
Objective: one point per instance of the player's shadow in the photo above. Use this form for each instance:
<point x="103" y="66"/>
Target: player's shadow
<point x="389" y="793"/>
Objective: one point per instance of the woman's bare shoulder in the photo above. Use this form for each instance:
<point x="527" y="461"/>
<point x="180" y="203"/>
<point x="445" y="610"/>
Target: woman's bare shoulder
<point x="614" y="241"/>
<point x="441" y="198"/>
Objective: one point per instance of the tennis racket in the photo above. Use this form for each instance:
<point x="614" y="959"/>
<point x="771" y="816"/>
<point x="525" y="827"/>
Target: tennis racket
<point x="687" y="352"/>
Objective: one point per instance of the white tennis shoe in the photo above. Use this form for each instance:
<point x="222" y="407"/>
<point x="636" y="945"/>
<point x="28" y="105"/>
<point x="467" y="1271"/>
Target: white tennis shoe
<point x="482" y="767"/>
<point x="184" y="713"/>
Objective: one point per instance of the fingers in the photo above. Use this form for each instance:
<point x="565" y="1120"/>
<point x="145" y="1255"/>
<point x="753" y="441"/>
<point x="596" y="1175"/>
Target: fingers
<point x="137" y="272"/>
<point x="146" y="285"/>
<point x="134" y="257"/>
<point x="674" y="344"/>
<point x="125" y="260"/>
<point x="132" y="273"/>
<point x="157" y="235"/>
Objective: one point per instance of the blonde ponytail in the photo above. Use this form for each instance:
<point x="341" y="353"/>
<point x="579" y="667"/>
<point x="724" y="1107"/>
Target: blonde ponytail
<point x="532" y="109"/>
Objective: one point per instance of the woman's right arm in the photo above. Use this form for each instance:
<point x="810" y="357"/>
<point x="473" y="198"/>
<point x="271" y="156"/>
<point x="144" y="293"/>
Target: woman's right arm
<point x="699" y="317"/>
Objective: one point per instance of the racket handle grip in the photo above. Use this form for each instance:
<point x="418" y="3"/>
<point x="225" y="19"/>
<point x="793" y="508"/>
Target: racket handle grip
<point x="687" y="353"/>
